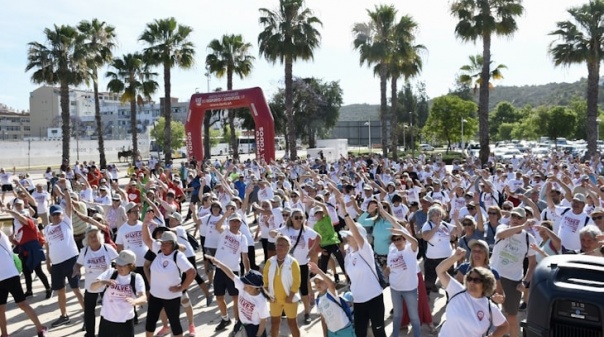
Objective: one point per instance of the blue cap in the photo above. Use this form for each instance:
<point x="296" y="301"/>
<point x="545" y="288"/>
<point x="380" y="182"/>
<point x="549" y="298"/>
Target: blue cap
<point x="56" y="209"/>
<point x="348" y="296"/>
<point x="253" y="278"/>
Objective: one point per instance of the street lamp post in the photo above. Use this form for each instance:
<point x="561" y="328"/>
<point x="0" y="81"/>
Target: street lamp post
<point x="404" y="138"/>
<point x="207" y="74"/>
<point x="369" y="145"/>
<point x="411" y="131"/>
<point x="462" y="122"/>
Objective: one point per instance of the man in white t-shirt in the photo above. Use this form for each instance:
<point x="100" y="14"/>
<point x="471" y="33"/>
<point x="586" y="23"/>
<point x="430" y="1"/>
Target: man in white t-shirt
<point x="42" y="198"/>
<point x="61" y="256"/>
<point x="571" y="221"/>
<point x="232" y="249"/>
<point x="129" y="236"/>
<point x="512" y="246"/>
<point x="5" y="181"/>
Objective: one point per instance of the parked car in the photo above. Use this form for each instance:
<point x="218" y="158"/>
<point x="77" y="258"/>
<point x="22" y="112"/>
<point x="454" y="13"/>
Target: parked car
<point x="426" y="147"/>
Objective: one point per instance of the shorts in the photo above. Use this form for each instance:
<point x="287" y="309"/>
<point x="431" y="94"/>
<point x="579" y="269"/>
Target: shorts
<point x="58" y="273"/>
<point x="512" y="296"/>
<point x="7" y="188"/>
<point x="13" y="286"/>
<point x="195" y="197"/>
<point x="290" y="309"/>
<point x="209" y="251"/>
<point x="222" y="284"/>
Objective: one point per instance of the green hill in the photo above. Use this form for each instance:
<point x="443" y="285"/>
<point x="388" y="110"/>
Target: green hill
<point x="545" y="94"/>
<point x="519" y="96"/>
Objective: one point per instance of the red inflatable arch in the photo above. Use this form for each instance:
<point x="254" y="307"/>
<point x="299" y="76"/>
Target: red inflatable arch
<point x="252" y="98"/>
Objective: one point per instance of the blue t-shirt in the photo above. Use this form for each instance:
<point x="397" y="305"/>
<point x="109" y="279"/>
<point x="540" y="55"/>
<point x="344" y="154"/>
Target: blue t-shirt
<point x="240" y="186"/>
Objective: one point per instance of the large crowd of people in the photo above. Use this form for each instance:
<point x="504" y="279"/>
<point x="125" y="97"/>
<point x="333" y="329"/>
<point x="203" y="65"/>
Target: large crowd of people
<point x="333" y="236"/>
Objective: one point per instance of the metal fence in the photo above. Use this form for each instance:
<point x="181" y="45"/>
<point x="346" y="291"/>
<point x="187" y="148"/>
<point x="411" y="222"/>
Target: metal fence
<point x="357" y="132"/>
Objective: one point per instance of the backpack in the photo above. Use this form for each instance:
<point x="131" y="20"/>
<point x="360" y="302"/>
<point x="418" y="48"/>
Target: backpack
<point x="174" y="257"/>
<point x="132" y="280"/>
<point x="340" y="303"/>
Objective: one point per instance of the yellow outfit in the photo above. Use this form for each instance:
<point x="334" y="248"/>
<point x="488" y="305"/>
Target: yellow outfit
<point x="279" y="305"/>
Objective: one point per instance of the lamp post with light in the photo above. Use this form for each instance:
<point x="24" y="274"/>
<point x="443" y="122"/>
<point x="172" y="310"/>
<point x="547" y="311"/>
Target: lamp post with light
<point x="411" y="131"/>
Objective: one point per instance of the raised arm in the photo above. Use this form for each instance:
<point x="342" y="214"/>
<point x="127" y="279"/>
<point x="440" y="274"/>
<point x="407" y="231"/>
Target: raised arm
<point x="146" y="234"/>
<point x="446" y="264"/>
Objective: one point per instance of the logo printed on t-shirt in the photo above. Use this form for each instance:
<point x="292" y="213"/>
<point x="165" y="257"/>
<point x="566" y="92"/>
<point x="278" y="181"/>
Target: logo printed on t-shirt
<point x="246" y="308"/>
<point x="55" y="233"/>
<point x="480" y="315"/>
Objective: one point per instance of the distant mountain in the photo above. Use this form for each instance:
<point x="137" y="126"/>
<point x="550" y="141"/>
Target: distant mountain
<point x="545" y="94"/>
<point x="519" y="96"/>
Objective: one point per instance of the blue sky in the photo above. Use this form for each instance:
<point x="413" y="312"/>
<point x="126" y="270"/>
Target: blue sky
<point x="525" y="54"/>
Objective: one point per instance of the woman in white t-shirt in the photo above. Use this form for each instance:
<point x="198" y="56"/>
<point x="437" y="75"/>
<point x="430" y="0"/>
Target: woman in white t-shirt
<point x="252" y="300"/>
<point x="95" y="257"/>
<point x="166" y="283"/>
<point x="401" y="271"/>
<point x="207" y="230"/>
<point x="117" y="310"/>
<point x="469" y="311"/>
<point x="438" y="234"/>
<point x="364" y="284"/>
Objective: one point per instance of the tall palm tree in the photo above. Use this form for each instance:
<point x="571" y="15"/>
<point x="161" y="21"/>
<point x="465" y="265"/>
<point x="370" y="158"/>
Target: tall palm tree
<point x="135" y="82"/>
<point x="99" y="43"/>
<point x="289" y="34"/>
<point x="374" y="41"/>
<point x="480" y="19"/>
<point x="169" y="46"/>
<point x="471" y="73"/>
<point x="59" y="60"/>
<point x="581" y="41"/>
<point x="404" y="61"/>
<point x="229" y="56"/>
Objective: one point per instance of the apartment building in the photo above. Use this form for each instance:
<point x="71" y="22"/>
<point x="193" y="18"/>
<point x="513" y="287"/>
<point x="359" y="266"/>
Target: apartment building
<point x="14" y="125"/>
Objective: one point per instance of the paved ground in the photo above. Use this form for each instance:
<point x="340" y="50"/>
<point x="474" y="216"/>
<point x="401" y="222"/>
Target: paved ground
<point x="206" y="318"/>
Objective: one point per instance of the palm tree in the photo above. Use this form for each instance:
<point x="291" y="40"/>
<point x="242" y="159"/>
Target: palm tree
<point x="100" y="40"/>
<point x="581" y="41"/>
<point x="480" y="19"/>
<point x="471" y="73"/>
<point x="404" y="61"/>
<point x="169" y="46"/>
<point x="60" y="60"/>
<point x="229" y="56"/>
<point x="374" y="41"/>
<point x="289" y="34"/>
<point x="134" y="81"/>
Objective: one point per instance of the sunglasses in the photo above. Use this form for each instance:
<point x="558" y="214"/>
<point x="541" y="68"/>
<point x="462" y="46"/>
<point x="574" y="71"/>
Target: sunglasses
<point x="298" y="217"/>
<point x="516" y="216"/>
<point x="476" y="280"/>
<point x="471" y="208"/>
<point x="397" y="239"/>
<point x="507" y="209"/>
<point x="492" y="213"/>
<point x="599" y="217"/>
<point x="285" y="214"/>
<point x="467" y="224"/>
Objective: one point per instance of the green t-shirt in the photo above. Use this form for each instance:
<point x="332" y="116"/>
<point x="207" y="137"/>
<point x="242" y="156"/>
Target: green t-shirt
<point x="328" y="234"/>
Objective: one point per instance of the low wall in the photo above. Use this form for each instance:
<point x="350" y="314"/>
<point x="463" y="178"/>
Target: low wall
<point x="49" y="152"/>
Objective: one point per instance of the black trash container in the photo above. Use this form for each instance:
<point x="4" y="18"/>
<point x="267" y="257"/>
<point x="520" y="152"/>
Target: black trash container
<point x="566" y="298"/>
